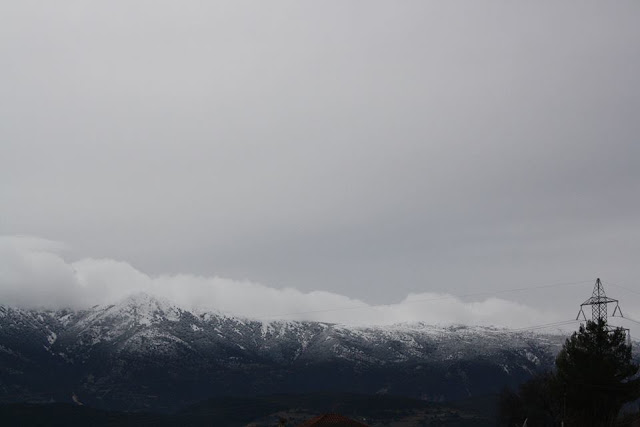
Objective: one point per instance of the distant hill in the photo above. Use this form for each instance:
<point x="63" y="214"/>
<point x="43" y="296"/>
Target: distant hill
<point x="146" y="354"/>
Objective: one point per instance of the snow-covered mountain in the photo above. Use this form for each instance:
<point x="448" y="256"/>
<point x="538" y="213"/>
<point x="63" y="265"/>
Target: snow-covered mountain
<point x="145" y="352"/>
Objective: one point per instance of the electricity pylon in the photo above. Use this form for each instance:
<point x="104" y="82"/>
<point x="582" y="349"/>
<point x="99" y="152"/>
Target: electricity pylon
<point x="599" y="302"/>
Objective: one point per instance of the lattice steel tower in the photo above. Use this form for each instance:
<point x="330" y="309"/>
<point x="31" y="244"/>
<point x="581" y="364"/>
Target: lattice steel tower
<point x="599" y="302"/>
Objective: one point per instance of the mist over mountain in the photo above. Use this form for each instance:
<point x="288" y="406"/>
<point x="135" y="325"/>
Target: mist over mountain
<point x="36" y="273"/>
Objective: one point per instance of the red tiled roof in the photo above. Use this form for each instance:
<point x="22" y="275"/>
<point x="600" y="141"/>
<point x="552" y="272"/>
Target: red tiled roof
<point x="332" y="420"/>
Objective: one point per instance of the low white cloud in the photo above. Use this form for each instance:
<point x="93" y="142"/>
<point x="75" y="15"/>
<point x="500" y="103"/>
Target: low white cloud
<point x="33" y="272"/>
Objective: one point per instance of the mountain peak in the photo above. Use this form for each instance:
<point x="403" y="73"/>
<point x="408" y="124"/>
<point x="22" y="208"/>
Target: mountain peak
<point x="139" y="307"/>
<point x="141" y="298"/>
<point x="149" y="308"/>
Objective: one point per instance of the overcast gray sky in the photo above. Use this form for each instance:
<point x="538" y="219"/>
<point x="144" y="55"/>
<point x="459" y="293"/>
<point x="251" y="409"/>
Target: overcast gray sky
<point x="361" y="148"/>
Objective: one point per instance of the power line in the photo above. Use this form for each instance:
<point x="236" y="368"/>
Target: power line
<point x="545" y="325"/>
<point x="631" y="320"/>
<point x="624" y="287"/>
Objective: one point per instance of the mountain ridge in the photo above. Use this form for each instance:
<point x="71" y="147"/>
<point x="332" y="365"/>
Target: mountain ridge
<point x="169" y="356"/>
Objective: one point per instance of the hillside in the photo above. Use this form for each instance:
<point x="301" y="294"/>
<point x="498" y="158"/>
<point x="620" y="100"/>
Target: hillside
<point x="145" y="353"/>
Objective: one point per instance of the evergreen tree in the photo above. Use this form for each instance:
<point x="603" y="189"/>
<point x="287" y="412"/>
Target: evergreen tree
<point x="594" y="372"/>
<point x="535" y="401"/>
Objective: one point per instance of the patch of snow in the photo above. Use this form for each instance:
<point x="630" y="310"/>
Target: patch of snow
<point x="532" y="357"/>
<point x="52" y="338"/>
<point x="265" y="328"/>
<point x="76" y="400"/>
<point x="66" y="319"/>
<point x="154" y="341"/>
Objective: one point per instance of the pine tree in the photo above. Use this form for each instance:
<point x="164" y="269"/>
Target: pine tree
<point x="595" y="372"/>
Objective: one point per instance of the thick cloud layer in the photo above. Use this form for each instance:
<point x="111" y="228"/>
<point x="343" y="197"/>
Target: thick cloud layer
<point x="33" y="272"/>
<point x="341" y="152"/>
<point x="372" y="149"/>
